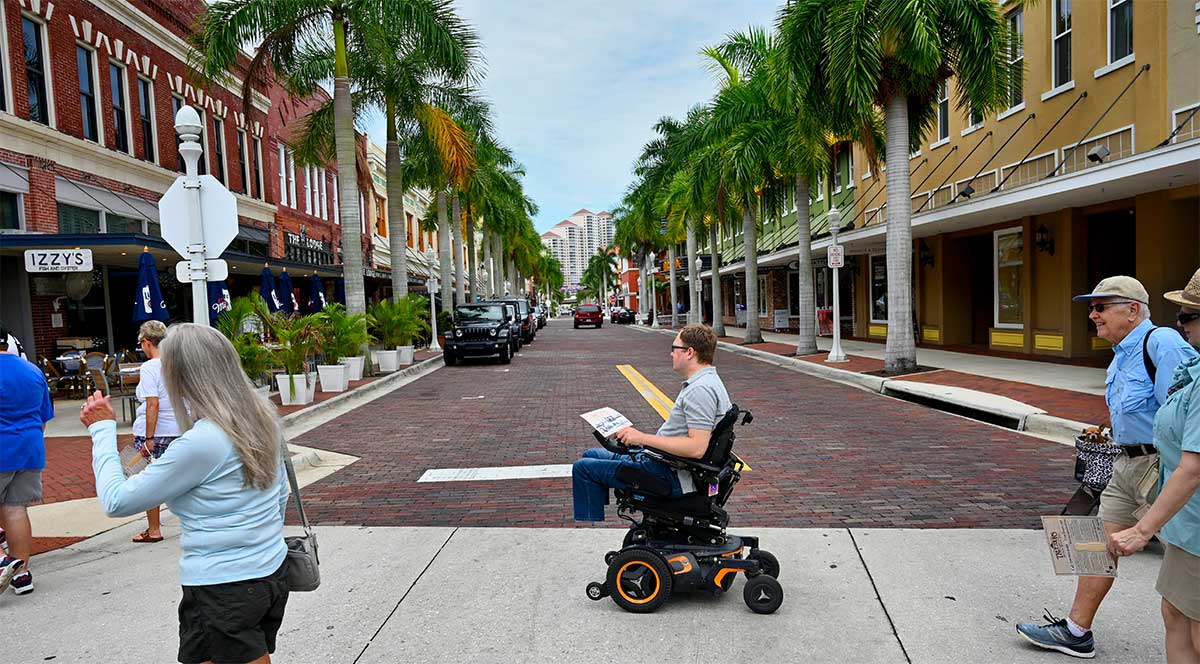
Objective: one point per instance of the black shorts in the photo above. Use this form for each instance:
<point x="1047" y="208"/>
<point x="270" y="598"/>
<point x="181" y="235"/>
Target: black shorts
<point x="232" y="622"/>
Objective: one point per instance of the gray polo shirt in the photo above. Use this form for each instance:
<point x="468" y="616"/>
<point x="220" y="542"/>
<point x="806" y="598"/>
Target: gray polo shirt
<point x="701" y="403"/>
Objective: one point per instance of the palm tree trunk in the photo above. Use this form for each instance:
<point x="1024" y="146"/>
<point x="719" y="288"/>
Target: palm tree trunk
<point x="497" y="264"/>
<point x="693" y="278"/>
<point x="674" y="303"/>
<point x="651" y="288"/>
<point x="443" y="222"/>
<point x="750" y="240"/>
<point x="471" y="284"/>
<point x="397" y="226"/>
<point x="718" y="324"/>
<point x="900" y="353"/>
<point x="460" y="275"/>
<point x="486" y="284"/>
<point x="348" y="210"/>
<point x="445" y="241"/>
<point x="807" y="343"/>
<point x="512" y="274"/>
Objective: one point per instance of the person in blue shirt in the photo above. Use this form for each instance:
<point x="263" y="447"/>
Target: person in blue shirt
<point x="224" y="478"/>
<point x="1176" y="513"/>
<point x="24" y="410"/>
<point x="1138" y="380"/>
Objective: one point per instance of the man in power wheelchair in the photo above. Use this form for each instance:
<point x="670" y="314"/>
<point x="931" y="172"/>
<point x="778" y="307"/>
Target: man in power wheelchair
<point x="679" y="480"/>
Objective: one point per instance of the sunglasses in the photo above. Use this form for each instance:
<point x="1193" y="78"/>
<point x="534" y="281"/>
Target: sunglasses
<point x="675" y="348"/>
<point x="1099" y="308"/>
<point x="1185" y="318"/>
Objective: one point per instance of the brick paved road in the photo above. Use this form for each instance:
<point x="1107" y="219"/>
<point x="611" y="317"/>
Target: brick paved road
<point x="823" y="454"/>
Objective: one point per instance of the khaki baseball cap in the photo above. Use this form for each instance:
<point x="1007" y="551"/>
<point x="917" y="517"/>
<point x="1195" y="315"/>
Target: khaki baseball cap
<point x="1189" y="296"/>
<point x="1119" y="286"/>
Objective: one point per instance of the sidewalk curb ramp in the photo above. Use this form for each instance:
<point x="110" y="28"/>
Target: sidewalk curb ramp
<point x="368" y="392"/>
<point x="972" y="404"/>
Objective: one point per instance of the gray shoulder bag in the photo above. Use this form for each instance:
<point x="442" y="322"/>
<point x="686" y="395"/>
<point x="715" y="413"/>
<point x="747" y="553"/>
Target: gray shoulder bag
<point x="303" y="564"/>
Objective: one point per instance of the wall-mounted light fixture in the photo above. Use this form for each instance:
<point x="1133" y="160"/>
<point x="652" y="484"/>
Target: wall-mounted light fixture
<point x="1042" y="239"/>
<point x="1099" y="153"/>
<point x="925" y="254"/>
<point x="967" y="191"/>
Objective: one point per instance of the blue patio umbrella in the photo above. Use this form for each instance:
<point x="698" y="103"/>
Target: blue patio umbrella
<point x="218" y="300"/>
<point x="148" y="303"/>
<point x="287" y="293"/>
<point x="316" y="294"/>
<point x="267" y="290"/>
<point x="340" y="291"/>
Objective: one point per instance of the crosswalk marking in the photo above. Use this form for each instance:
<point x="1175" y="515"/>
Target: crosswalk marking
<point x="495" y="473"/>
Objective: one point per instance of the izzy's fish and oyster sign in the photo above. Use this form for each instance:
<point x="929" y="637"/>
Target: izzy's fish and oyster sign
<point x="58" y="260"/>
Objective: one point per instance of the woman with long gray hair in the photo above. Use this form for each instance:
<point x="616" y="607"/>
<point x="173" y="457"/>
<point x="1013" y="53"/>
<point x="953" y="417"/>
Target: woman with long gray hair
<point x="224" y="479"/>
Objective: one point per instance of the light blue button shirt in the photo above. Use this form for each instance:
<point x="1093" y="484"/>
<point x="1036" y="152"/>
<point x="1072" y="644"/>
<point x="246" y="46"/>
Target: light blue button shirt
<point x="1132" y="399"/>
<point x="230" y="532"/>
<point x="1177" y="430"/>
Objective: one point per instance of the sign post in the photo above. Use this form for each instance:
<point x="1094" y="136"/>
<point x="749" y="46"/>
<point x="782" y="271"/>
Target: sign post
<point x="431" y="258"/>
<point x="836" y="255"/>
<point x="199" y="218"/>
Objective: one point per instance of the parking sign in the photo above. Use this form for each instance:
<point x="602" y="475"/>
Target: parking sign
<point x="837" y="256"/>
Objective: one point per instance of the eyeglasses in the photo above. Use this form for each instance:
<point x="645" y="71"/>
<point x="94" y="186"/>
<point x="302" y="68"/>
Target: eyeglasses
<point x="1187" y="317"/>
<point x="1100" y="307"/>
<point x="675" y="348"/>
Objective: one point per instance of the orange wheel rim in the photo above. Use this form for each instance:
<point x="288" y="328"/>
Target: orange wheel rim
<point x="621" y="575"/>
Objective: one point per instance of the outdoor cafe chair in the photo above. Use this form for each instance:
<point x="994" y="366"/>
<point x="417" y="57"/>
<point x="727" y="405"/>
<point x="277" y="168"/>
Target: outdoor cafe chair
<point x="101" y="383"/>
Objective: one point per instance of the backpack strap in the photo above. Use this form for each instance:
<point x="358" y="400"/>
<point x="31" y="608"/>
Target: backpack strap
<point x="1148" y="361"/>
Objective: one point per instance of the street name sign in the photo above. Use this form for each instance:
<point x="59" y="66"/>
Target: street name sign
<point x="58" y="260"/>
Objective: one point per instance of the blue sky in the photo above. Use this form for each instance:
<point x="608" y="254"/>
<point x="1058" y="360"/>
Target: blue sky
<point x="576" y="87"/>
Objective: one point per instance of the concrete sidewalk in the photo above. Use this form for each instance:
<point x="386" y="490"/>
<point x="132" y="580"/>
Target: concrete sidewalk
<point x="517" y="595"/>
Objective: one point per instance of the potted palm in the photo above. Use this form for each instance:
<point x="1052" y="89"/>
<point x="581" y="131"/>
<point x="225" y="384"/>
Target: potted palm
<point x="343" y="337"/>
<point x="385" y="322"/>
<point x="296" y="339"/>
<point x="412" y="321"/>
<point x="243" y="325"/>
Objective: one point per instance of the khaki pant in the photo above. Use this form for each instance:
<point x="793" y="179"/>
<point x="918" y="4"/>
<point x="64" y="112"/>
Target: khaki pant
<point x="1133" y="486"/>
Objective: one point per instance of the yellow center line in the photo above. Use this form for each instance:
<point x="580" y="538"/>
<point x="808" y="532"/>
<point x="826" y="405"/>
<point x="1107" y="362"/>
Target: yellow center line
<point x="655" y="397"/>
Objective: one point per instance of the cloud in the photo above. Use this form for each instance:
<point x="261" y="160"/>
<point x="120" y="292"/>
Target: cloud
<point x="576" y="87"/>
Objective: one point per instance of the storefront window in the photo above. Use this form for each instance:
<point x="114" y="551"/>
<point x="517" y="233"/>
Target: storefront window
<point x="1010" y="248"/>
<point x="879" y="311"/>
<point x="118" y="224"/>
<point x="763" y="309"/>
<point x="76" y="220"/>
<point x="10" y="211"/>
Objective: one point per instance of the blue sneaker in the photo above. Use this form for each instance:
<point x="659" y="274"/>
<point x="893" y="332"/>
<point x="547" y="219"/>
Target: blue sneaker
<point x="8" y="569"/>
<point x="1055" y="635"/>
<point x="23" y="583"/>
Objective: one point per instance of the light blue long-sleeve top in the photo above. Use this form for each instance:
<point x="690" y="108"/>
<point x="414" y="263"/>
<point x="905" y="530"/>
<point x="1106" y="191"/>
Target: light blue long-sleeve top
<point x="1132" y="398"/>
<point x="230" y="532"/>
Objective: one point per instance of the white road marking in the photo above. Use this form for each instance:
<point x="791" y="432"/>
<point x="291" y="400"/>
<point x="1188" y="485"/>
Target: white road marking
<point x="495" y="473"/>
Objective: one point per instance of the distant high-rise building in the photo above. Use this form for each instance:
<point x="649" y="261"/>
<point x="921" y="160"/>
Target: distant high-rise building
<point x="575" y="239"/>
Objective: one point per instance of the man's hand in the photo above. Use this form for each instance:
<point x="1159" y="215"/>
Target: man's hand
<point x="97" y="409"/>
<point x="631" y="437"/>
<point x="1127" y="542"/>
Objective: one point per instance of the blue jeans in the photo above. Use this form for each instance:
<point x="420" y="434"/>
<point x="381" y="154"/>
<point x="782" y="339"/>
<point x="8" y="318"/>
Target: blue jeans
<point x="596" y="472"/>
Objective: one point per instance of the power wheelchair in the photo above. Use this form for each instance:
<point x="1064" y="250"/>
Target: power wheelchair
<point x="680" y="544"/>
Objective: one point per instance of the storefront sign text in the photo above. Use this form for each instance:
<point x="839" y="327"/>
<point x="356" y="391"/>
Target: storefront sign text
<point x="58" y="260"/>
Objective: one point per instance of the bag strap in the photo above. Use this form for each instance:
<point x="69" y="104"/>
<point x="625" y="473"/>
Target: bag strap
<point x="1148" y="361"/>
<point x="291" y="473"/>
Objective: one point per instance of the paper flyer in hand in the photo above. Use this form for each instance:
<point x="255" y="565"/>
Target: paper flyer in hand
<point x="132" y="461"/>
<point x="1078" y="546"/>
<point x="606" y="421"/>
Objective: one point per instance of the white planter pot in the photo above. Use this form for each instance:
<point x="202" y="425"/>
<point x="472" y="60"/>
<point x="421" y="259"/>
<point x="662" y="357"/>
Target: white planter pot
<point x="333" y="377"/>
<point x="388" y="360"/>
<point x="406" y="354"/>
<point x="264" y="390"/>
<point x="302" y="394"/>
<point x="354" y="367"/>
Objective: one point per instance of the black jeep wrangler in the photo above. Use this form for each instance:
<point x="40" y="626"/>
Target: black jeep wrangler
<point x="480" y="329"/>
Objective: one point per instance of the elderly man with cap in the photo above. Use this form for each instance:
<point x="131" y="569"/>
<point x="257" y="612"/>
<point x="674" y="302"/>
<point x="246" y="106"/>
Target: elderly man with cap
<point x="1139" y="377"/>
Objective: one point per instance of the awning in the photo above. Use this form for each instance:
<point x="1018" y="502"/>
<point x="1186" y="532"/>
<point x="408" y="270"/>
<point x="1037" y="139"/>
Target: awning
<point x="93" y="197"/>
<point x="14" y="178"/>
<point x="253" y="234"/>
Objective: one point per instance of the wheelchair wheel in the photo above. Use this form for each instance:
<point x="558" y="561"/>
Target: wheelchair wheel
<point x="763" y="594"/>
<point x="639" y="580"/>
<point x="768" y="561"/>
<point x="596" y="591"/>
<point x="608" y="557"/>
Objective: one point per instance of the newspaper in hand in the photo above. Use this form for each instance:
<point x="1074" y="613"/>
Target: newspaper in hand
<point x="1078" y="546"/>
<point x="133" y="461"/>
<point x="606" y="421"/>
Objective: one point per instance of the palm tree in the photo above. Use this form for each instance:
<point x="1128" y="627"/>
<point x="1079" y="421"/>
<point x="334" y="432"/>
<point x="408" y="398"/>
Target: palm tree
<point x="293" y="40"/>
<point x="892" y="55"/>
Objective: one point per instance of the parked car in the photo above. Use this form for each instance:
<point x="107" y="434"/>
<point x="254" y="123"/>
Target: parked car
<point x="525" y="316"/>
<point x="588" y="314"/>
<point x="539" y="314"/>
<point x="480" y="329"/>
<point x="510" y="312"/>
<point x="622" y="315"/>
<point x="566" y="310"/>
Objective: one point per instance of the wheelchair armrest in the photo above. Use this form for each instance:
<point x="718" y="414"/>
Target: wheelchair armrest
<point x="611" y="445"/>
<point x="681" y="463"/>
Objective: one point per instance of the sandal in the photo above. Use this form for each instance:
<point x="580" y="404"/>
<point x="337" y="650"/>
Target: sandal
<point x="145" y="538"/>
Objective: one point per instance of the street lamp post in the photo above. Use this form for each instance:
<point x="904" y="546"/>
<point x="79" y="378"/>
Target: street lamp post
<point x="431" y="258"/>
<point x="835" y="353"/>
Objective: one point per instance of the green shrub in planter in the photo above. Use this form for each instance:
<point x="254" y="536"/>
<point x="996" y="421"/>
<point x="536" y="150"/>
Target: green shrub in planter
<point x="340" y="334"/>
<point x="244" y="324"/>
<point x="397" y="323"/>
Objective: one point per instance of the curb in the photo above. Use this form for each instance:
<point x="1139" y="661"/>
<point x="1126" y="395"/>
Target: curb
<point x="365" y="393"/>
<point x="1037" y="423"/>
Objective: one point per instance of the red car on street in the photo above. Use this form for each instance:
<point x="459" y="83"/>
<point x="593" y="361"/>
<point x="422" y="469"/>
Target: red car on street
<point x="588" y="314"/>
